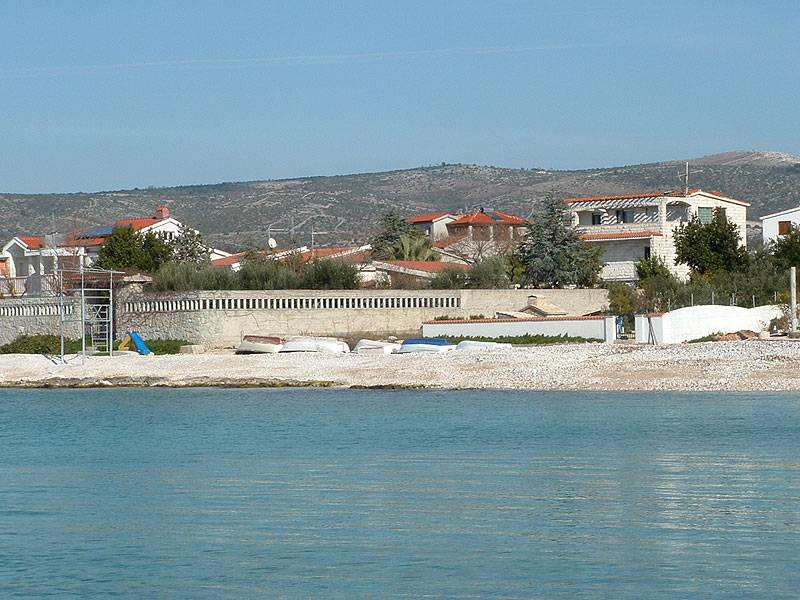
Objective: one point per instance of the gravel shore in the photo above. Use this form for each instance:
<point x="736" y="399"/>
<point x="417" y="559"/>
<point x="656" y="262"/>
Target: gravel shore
<point x="743" y="366"/>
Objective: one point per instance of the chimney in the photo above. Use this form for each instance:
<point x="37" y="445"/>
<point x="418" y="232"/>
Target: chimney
<point x="162" y="212"/>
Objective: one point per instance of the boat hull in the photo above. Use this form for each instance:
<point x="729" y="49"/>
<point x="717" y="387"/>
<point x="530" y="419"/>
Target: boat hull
<point x="258" y="344"/>
<point x="312" y="344"/>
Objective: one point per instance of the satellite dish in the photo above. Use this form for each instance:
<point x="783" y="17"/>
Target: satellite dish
<point x="272" y="243"/>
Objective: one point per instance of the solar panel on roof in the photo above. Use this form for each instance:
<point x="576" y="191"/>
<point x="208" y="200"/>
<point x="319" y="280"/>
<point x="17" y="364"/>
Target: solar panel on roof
<point x="97" y="231"/>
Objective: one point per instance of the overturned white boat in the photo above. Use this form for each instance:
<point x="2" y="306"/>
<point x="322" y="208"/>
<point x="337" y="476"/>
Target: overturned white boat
<point x="376" y="347"/>
<point x="315" y="344"/>
<point x="476" y="346"/>
<point x="259" y="344"/>
<point x="425" y="345"/>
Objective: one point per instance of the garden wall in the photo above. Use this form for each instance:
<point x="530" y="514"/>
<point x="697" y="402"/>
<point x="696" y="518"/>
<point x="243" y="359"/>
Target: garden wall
<point x="218" y="319"/>
<point x="598" y="328"/>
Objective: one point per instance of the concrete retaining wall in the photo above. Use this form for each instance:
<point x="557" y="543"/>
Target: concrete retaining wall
<point x="694" y="322"/>
<point x="218" y="319"/>
<point x="599" y="328"/>
<point x="35" y="316"/>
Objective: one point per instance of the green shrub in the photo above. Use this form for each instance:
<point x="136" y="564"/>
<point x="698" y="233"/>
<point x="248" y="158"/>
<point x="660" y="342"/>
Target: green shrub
<point x="258" y="273"/>
<point x="489" y="273"/>
<point x="159" y="346"/>
<point x="450" y="278"/>
<point x="36" y="344"/>
<point x="328" y="274"/>
<point x="185" y="277"/>
<point x="51" y="344"/>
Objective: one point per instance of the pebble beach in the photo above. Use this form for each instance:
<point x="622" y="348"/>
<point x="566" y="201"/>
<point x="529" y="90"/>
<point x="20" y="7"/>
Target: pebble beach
<point x="752" y="365"/>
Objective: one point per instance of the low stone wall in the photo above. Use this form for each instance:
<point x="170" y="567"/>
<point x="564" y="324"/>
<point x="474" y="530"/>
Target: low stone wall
<point x="694" y="322"/>
<point x="35" y="316"/>
<point x="219" y="319"/>
<point x="598" y="328"/>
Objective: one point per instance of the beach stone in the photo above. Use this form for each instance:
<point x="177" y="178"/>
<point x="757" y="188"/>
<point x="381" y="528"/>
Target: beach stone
<point x="193" y="349"/>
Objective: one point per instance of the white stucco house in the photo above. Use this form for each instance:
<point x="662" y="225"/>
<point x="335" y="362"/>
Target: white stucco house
<point x="26" y="260"/>
<point x="780" y="223"/>
<point x="433" y="225"/>
<point x="633" y="226"/>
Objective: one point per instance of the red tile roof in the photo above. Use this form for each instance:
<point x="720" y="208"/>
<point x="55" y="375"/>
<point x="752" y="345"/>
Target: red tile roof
<point x="86" y="242"/>
<point x="622" y="196"/>
<point x="673" y="193"/>
<point x="488" y="217"/>
<point x="620" y="235"/>
<point x="227" y="261"/>
<point x="34" y="242"/>
<point x="430" y="266"/>
<point x="427" y="217"/>
<point x="137" y="223"/>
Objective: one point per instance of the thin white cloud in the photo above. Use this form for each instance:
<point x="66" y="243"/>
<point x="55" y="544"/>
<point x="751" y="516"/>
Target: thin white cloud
<point x="308" y="59"/>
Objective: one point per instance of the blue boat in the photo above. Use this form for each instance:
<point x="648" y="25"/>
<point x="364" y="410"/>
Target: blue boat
<point x="425" y="345"/>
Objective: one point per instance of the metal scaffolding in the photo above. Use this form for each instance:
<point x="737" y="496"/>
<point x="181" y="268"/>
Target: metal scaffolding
<point x="94" y="288"/>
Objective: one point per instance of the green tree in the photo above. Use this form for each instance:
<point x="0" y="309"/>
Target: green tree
<point x="155" y="252"/>
<point x="708" y="248"/>
<point x="393" y="227"/>
<point x="489" y="273"/>
<point x="623" y="301"/>
<point x="410" y="247"/>
<point x="123" y="249"/>
<point x="330" y="274"/>
<point x="128" y="249"/>
<point x="786" y="249"/>
<point x="189" y="247"/>
<point x="552" y="252"/>
<point x="652" y="267"/>
<point x="450" y="278"/>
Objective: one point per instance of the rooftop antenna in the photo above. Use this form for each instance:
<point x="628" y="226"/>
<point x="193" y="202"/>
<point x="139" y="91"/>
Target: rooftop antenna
<point x="687" y="177"/>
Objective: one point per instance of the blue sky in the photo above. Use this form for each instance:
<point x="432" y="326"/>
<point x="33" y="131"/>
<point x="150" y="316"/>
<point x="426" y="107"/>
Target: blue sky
<point x="107" y="95"/>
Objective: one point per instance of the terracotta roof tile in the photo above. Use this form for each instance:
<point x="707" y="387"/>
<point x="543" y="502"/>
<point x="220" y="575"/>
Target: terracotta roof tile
<point x="429" y="266"/>
<point x="488" y="217"/>
<point x="227" y="261"/>
<point x="137" y="223"/>
<point x="85" y="242"/>
<point x="34" y="242"/>
<point x="427" y="217"/>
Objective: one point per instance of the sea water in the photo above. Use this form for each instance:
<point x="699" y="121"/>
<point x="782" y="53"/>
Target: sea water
<point x="231" y="493"/>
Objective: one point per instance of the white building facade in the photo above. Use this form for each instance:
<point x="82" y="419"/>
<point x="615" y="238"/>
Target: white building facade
<point x="635" y="226"/>
<point x="780" y="223"/>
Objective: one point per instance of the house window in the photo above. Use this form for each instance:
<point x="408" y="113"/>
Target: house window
<point x="624" y="216"/>
<point x="597" y="219"/>
<point x="705" y="214"/>
<point x="784" y="227"/>
<point x="647" y="251"/>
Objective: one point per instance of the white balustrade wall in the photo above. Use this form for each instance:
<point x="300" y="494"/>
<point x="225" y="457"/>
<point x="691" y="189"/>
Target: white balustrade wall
<point x="219" y="319"/>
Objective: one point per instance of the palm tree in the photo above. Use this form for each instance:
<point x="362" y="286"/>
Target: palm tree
<point x="409" y="247"/>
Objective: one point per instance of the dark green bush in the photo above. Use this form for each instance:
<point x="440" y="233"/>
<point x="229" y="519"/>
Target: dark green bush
<point x="450" y="278"/>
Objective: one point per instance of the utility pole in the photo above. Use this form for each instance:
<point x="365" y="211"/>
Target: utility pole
<point x="793" y="301"/>
<point x="687" y="178"/>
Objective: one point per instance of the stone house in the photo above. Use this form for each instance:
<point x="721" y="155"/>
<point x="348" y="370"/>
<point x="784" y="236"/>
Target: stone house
<point x="633" y="226"/>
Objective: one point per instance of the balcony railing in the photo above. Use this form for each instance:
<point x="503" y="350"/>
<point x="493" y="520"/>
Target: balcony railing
<point x="33" y="286"/>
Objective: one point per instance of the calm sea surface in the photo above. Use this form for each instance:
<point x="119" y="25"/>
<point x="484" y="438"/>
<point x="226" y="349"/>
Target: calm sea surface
<point x="359" y="494"/>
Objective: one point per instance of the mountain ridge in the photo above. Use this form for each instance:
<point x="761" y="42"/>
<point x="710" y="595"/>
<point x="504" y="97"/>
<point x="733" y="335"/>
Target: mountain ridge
<point x="345" y="208"/>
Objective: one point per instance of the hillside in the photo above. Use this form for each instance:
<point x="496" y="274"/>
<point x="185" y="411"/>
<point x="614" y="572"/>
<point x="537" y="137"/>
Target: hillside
<point x="344" y="208"/>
